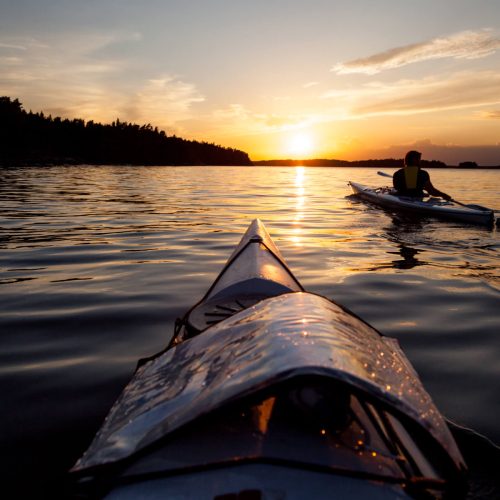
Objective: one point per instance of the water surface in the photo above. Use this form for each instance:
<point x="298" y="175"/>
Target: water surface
<point x="97" y="262"/>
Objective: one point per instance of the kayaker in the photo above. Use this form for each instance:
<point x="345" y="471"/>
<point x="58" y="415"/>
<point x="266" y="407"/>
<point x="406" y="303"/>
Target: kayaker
<point x="412" y="180"/>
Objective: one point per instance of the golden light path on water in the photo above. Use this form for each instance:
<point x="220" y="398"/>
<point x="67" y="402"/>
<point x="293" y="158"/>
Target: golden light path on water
<point x="300" y="201"/>
<point x="311" y="187"/>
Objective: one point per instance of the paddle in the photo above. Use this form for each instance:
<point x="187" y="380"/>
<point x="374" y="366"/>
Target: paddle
<point x="474" y="207"/>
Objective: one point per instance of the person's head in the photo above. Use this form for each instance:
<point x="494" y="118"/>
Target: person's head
<point x="412" y="158"/>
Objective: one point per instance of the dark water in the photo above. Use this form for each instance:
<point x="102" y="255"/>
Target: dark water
<point x="97" y="262"/>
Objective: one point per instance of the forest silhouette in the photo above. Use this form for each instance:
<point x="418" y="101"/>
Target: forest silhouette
<point x="28" y="138"/>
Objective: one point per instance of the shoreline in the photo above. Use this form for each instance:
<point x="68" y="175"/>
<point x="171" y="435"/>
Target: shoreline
<point x="267" y="163"/>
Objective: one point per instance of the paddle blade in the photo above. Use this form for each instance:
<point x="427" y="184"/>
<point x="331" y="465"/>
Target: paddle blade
<point x="383" y="174"/>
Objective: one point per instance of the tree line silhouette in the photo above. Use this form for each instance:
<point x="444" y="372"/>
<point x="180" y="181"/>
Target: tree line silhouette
<point x="33" y="138"/>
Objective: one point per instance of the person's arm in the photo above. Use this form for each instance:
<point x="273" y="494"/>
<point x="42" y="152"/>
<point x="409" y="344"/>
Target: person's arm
<point x="396" y="180"/>
<point x="435" y="192"/>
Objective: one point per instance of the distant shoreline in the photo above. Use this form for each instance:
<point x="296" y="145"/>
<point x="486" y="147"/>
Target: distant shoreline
<point x="265" y="163"/>
<point x="383" y="163"/>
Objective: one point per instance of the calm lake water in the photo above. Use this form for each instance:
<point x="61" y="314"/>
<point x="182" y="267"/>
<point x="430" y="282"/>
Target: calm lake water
<point x="97" y="262"/>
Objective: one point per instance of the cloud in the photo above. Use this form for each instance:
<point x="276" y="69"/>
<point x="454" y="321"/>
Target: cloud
<point x="238" y="117"/>
<point x="58" y="67"/>
<point x="284" y="122"/>
<point x="232" y="112"/>
<point x="463" y="45"/>
<point x="461" y="90"/>
<point x="495" y="114"/>
<point x="20" y="43"/>
<point x="451" y="154"/>
<point x="162" y="101"/>
<point x="78" y="78"/>
<point x="310" y="84"/>
<point x="12" y="46"/>
<point x="405" y="97"/>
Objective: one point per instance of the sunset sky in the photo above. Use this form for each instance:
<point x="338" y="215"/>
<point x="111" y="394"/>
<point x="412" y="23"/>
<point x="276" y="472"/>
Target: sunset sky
<point x="345" y="79"/>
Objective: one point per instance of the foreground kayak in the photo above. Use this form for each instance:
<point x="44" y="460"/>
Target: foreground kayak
<point x="435" y="207"/>
<point x="270" y="392"/>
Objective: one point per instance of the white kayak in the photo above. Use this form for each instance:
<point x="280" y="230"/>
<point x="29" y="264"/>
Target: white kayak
<point x="270" y="392"/>
<point x="434" y="207"/>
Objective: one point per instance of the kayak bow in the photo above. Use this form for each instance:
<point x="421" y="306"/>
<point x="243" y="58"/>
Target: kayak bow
<point x="268" y="391"/>
<point x="255" y="271"/>
<point x="434" y="207"/>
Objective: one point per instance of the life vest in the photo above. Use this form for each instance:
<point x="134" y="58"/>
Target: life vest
<point x="410" y="181"/>
<point x="411" y="176"/>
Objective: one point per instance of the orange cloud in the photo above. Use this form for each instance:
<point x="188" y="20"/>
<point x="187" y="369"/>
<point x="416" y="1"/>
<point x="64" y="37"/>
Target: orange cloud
<point x="495" y="114"/>
<point x="463" y="45"/>
<point x="405" y="97"/>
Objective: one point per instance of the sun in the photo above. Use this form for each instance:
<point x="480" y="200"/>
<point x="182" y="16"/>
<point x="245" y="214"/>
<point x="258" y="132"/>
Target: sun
<point x="300" y="144"/>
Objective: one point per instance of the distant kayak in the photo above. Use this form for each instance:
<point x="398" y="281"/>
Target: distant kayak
<point x="435" y="207"/>
<point x="269" y="391"/>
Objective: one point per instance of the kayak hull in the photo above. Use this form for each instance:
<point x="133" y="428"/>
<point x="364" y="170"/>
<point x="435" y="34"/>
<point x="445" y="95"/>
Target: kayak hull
<point x="433" y="207"/>
<point x="292" y="396"/>
<point x="257" y="481"/>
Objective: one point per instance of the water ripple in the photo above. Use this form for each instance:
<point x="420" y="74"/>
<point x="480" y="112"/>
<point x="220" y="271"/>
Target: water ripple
<point x="97" y="262"/>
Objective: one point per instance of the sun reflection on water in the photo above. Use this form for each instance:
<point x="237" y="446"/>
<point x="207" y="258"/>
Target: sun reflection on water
<point x="300" y="201"/>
